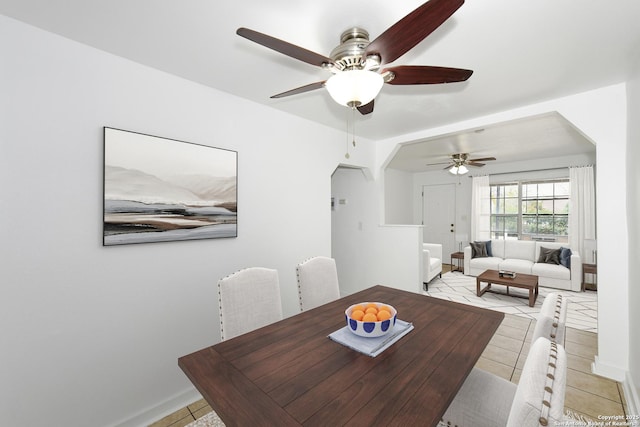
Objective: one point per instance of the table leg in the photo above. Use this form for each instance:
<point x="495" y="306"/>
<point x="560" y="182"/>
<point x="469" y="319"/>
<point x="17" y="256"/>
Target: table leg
<point x="533" y="295"/>
<point x="480" y="292"/>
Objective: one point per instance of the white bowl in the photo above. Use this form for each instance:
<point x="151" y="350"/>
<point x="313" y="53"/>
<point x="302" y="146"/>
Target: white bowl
<point x="371" y="329"/>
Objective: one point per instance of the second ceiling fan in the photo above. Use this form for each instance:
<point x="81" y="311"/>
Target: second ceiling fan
<point x="459" y="162"/>
<point x="356" y="63"/>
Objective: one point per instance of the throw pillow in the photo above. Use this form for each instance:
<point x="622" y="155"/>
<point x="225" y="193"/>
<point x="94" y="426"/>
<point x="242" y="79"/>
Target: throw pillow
<point x="565" y="257"/>
<point x="489" y="252"/>
<point x="549" y="256"/>
<point x="487" y="245"/>
<point x="478" y="249"/>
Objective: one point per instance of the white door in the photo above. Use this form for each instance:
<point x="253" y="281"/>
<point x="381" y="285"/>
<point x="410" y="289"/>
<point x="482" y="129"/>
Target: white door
<point x="438" y="217"/>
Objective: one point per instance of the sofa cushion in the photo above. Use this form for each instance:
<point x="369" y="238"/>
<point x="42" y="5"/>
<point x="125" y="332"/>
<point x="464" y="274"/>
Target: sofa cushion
<point x="551" y="271"/>
<point x="478" y="249"/>
<point x="518" y="265"/>
<point x="486" y="263"/>
<point x="520" y="249"/>
<point x="497" y="248"/>
<point x="549" y="255"/>
<point x="565" y="257"/>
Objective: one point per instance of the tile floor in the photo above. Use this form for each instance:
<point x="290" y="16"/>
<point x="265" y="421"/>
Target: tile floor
<point x="587" y="395"/>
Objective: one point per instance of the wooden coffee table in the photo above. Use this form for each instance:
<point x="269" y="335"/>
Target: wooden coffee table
<point x="524" y="281"/>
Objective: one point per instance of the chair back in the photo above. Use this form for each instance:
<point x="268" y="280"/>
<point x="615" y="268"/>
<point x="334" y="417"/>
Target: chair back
<point x="552" y="319"/>
<point x="539" y="398"/>
<point x="248" y="299"/>
<point x="317" y="282"/>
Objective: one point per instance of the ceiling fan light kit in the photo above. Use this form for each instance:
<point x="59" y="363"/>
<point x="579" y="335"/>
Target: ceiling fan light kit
<point x="354" y="88"/>
<point x="458" y="170"/>
<point x="356" y="62"/>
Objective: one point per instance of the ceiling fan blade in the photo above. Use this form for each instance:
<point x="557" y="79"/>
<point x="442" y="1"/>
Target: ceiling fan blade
<point x="424" y="75"/>
<point x="301" y="89"/>
<point x="481" y="159"/>
<point x="284" y="47"/>
<point x="366" y="108"/>
<point x="412" y="29"/>
<point x="449" y="166"/>
<point x="475" y="164"/>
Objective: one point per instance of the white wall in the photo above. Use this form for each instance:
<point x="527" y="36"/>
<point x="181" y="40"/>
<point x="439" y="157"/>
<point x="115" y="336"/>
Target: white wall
<point x="633" y="216"/>
<point x="398" y="197"/>
<point x="368" y="253"/>
<point x="91" y="335"/>
<point x="352" y="224"/>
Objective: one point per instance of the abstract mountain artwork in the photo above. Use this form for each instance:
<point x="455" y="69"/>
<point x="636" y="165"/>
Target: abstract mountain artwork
<point x="159" y="190"/>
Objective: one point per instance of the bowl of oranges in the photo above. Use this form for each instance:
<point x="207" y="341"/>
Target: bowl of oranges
<point x="371" y="319"/>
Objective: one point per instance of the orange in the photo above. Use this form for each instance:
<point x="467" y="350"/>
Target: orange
<point x="357" y="314"/>
<point x="370" y="317"/>
<point x="358" y="307"/>
<point x="372" y="310"/>
<point x="383" y="315"/>
<point x="385" y="307"/>
<point x="372" y="305"/>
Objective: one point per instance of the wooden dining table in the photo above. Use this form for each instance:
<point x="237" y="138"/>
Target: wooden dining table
<point x="290" y="373"/>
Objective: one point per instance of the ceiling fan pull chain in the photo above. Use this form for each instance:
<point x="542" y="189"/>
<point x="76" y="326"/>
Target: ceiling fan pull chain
<point x="353" y="119"/>
<point x="346" y="156"/>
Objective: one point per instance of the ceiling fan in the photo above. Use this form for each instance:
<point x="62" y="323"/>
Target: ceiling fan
<point x="459" y="162"/>
<point x="356" y="63"/>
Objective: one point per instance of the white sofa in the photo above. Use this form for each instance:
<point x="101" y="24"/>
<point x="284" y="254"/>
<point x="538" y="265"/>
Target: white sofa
<point x="431" y="261"/>
<point x="521" y="256"/>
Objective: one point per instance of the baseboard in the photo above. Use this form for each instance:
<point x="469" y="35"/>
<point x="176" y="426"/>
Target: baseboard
<point x="631" y="396"/>
<point x="155" y="413"/>
<point x="608" y="371"/>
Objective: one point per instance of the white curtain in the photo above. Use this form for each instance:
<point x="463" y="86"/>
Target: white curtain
<point x="582" y="212"/>
<point x="480" y="208"/>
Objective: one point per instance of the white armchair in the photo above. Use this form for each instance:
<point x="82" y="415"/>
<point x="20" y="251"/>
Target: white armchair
<point x="431" y="262"/>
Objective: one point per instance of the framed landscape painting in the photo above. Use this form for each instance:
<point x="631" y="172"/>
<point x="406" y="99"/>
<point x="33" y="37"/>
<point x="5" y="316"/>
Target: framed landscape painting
<point x="159" y="190"/>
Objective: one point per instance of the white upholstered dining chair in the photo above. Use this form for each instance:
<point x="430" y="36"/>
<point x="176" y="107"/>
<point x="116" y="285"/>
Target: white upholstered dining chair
<point x="317" y="282"/>
<point x="248" y="299"/>
<point x="486" y="400"/>
<point x="552" y="319"/>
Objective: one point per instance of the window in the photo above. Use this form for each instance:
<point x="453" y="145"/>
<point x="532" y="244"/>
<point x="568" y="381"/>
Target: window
<point x="531" y="210"/>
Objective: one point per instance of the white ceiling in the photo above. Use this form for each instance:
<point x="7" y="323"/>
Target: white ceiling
<point x="544" y="136"/>
<point x="521" y="51"/>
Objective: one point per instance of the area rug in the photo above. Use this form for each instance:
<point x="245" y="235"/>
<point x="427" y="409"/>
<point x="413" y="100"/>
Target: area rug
<point x="582" y="311"/>
<point x="209" y="420"/>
